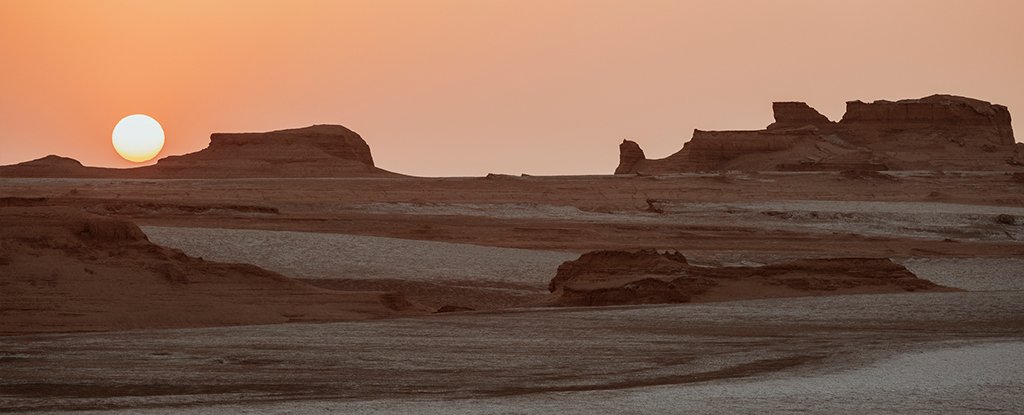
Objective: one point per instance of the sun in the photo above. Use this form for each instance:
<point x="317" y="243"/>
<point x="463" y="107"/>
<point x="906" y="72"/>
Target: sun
<point x="138" y="138"/>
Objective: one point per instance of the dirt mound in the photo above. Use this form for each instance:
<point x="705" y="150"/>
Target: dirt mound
<point x="939" y="132"/>
<point x="650" y="277"/>
<point x="64" y="270"/>
<point x="315" y="151"/>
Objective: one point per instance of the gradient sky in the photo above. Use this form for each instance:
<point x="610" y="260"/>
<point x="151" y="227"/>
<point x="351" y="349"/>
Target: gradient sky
<point x="439" y="87"/>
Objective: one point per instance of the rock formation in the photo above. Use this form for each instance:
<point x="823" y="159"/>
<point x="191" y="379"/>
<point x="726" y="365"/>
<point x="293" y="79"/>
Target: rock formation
<point x="939" y="132"/>
<point x="796" y="115"/>
<point x="64" y="270"/>
<point x="630" y="154"/>
<point x="315" y="151"/>
<point x="647" y="276"/>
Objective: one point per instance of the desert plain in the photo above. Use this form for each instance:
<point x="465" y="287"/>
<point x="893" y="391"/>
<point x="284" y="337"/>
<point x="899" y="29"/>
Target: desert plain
<point x="870" y="265"/>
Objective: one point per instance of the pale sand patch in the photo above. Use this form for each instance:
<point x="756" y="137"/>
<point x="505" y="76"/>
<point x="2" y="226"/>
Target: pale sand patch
<point x="972" y="274"/>
<point x="329" y="255"/>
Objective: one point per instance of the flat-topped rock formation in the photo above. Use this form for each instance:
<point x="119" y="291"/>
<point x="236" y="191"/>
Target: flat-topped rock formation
<point x="602" y="278"/>
<point x="64" y="270"/>
<point x="315" y="151"/>
<point x="939" y="132"/>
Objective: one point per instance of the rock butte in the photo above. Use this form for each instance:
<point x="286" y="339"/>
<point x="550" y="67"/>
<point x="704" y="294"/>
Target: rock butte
<point x="939" y="132"/>
<point x="315" y="151"/>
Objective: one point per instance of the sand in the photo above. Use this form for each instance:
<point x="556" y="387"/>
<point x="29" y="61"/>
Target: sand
<point x="337" y="256"/>
<point x="63" y="270"/>
<point x="510" y="232"/>
<point x="849" y="348"/>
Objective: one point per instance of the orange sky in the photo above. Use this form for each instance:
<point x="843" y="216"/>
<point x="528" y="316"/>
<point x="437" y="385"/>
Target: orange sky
<point x="442" y="88"/>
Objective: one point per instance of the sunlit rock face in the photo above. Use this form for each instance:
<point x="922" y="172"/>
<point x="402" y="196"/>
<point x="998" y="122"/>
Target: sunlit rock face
<point x="969" y="119"/>
<point x="319" y="150"/>
<point x="939" y="132"/>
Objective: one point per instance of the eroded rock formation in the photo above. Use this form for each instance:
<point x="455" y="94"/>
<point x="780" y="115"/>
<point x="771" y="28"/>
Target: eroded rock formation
<point x="939" y="132"/>
<point x="629" y="155"/>
<point x="64" y="270"/>
<point x="648" y="276"/>
<point x="315" y="151"/>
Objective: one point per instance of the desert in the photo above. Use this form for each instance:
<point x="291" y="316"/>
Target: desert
<point x="298" y="276"/>
<point x="511" y="207"/>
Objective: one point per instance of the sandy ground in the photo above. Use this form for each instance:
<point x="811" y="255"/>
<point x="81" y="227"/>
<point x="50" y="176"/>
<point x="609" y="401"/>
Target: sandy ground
<point x="337" y="256"/>
<point x="919" y="379"/>
<point x="972" y="274"/>
<point x="541" y="360"/>
<point x="901" y="219"/>
<point x="444" y="274"/>
<point x="480" y="238"/>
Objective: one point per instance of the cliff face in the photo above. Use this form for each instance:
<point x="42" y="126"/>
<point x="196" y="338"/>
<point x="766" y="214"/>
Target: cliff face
<point x="966" y="119"/>
<point x="315" y="151"/>
<point x="796" y="115"/>
<point x="335" y="140"/>
<point x="629" y="155"/>
<point x="932" y="133"/>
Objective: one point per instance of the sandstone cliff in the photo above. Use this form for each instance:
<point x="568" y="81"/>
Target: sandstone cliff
<point x="939" y="132"/>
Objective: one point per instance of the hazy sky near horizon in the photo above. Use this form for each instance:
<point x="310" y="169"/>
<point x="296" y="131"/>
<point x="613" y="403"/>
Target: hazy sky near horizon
<point x="467" y="87"/>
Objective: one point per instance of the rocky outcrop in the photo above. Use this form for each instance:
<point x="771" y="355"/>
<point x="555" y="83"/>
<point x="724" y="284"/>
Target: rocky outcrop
<point x="629" y="155"/>
<point x="936" y="112"/>
<point x="315" y="151"/>
<point x="796" y="115"/>
<point x="597" y="266"/>
<point x="648" y="276"/>
<point x="939" y="132"/>
<point x="63" y="270"/>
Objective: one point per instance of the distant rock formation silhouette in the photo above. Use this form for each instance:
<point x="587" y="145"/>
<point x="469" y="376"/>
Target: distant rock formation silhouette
<point x="315" y="151"/>
<point x="939" y="132"/>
